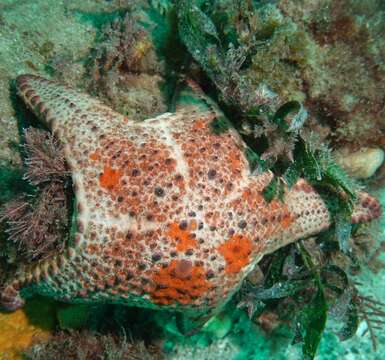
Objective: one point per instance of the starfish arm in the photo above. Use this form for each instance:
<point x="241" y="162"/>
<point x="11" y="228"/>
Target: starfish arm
<point x="80" y="123"/>
<point x="44" y="277"/>
<point x="309" y="214"/>
<point x="62" y="108"/>
<point x="366" y="209"/>
<point x="308" y="211"/>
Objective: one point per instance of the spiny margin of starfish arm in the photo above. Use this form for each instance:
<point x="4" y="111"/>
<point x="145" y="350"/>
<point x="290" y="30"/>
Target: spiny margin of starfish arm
<point x="60" y="107"/>
<point x="21" y="285"/>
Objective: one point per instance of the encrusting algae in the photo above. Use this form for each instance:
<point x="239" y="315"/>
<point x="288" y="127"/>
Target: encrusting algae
<point x="22" y="328"/>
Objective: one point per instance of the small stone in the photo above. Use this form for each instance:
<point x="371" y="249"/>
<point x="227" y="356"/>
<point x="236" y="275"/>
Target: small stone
<point x="255" y="276"/>
<point x="360" y="164"/>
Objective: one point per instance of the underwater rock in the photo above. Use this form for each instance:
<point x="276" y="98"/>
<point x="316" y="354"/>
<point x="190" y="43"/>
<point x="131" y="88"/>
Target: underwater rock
<point x="255" y="276"/>
<point x="361" y="164"/>
<point x="125" y="71"/>
<point x="296" y="50"/>
<point x="28" y="43"/>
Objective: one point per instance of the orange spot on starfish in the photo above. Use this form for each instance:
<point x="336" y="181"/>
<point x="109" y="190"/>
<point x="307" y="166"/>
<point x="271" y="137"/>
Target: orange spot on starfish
<point x="253" y="199"/>
<point x="199" y="124"/>
<point x="179" y="282"/>
<point x="286" y="221"/>
<point x="236" y="252"/>
<point x="110" y="177"/>
<point x="94" y="156"/>
<point x="235" y="162"/>
<point x="182" y="237"/>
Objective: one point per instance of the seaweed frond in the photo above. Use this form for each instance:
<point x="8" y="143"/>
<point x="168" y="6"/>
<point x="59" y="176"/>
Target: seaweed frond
<point x="37" y="225"/>
<point x="222" y="46"/>
<point x="372" y="311"/>
<point x="88" y="345"/>
<point x="303" y="291"/>
<point x="44" y="158"/>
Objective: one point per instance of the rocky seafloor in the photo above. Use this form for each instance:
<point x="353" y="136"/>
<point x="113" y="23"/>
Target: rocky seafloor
<point x="326" y="55"/>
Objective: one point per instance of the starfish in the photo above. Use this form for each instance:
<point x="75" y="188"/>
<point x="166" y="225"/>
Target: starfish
<point x="167" y="213"/>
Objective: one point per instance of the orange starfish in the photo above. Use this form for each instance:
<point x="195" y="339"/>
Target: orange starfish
<point x="167" y="214"/>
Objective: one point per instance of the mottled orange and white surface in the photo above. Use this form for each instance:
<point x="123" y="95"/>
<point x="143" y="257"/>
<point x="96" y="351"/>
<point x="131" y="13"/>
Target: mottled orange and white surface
<point x="168" y="213"/>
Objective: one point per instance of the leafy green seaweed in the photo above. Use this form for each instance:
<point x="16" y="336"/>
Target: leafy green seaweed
<point x="274" y="272"/>
<point x="311" y="289"/>
<point x="275" y="189"/>
<point x="334" y="278"/>
<point x="270" y="191"/>
<point x="351" y="323"/>
<point x="293" y="123"/>
<point x="282" y="289"/>
<point x="199" y="34"/>
<point x="312" y="319"/>
<point x="339" y="191"/>
<point x="311" y="324"/>
<point x="220" y="125"/>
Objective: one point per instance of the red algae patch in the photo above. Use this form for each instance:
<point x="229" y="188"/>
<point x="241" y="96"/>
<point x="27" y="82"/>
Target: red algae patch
<point x="236" y="252"/>
<point x="180" y="282"/>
